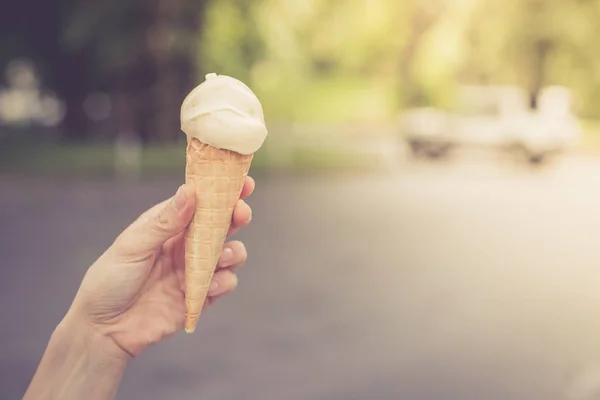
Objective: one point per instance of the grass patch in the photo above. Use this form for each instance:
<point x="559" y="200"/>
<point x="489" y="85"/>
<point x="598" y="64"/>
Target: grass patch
<point x="99" y="159"/>
<point x="53" y="158"/>
<point x="331" y="100"/>
<point x="309" y="159"/>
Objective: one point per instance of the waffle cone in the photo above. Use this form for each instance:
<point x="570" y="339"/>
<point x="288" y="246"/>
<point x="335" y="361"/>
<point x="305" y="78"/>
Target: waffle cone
<point x="218" y="176"/>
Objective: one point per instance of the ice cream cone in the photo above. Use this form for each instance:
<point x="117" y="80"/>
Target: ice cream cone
<point x="218" y="176"/>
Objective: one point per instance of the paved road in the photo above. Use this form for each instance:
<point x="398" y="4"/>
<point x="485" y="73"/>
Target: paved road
<point x="471" y="280"/>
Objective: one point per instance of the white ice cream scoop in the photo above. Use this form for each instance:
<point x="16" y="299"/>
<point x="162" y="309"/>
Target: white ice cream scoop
<point x="224" y="113"/>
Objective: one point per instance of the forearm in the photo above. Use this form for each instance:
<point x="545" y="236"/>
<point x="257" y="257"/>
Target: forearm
<point x="78" y="364"/>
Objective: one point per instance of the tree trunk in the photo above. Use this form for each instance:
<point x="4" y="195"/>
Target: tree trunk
<point x="72" y="84"/>
<point x="422" y="21"/>
<point x="541" y="51"/>
<point x="166" y="90"/>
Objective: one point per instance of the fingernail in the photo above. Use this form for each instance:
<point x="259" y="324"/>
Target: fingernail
<point x="250" y="214"/>
<point x="213" y="286"/>
<point x="226" y="255"/>
<point x="179" y="199"/>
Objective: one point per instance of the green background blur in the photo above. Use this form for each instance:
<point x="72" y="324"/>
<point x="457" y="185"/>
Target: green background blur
<point x="324" y="70"/>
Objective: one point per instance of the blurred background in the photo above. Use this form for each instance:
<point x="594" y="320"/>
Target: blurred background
<point x="427" y="204"/>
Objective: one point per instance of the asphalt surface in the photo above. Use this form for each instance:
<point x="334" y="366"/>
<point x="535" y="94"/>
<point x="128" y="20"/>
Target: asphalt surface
<point x="477" y="279"/>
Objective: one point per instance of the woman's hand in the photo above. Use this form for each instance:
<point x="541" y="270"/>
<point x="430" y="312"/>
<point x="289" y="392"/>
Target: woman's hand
<point x="134" y="293"/>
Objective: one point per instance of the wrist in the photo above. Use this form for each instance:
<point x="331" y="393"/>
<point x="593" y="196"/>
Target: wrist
<point x="78" y="363"/>
<point x="84" y="337"/>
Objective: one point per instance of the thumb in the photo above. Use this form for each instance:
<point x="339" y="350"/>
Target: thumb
<point x="153" y="228"/>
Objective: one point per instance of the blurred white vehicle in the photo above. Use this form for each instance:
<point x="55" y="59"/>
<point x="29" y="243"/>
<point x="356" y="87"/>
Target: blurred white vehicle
<point x="427" y="131"/>
<point x="551" y="129"/>
<point x="496" y="117"/>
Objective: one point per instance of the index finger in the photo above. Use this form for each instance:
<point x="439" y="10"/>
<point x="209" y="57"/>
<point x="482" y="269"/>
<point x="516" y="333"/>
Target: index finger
<point x="248" y="187"/>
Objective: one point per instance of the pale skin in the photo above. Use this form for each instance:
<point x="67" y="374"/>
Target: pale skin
<point x="130" y="298"/>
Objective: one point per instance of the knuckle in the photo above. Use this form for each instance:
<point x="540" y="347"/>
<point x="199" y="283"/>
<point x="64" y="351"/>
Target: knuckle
<point x="239" y="250"/>
<point x="241" y="209"/>
<point x="232" y="281"/>
<point x="161" y="221"/>
<point x="243" y="252"/>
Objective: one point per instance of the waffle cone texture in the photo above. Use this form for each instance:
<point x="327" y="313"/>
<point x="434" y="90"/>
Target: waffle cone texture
<point x="218" y="176"/>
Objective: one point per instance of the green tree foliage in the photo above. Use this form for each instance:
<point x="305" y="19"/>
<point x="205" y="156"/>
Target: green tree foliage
<point x="140" y="51"/>
<point x="317" y="60"/>
<point x="535" y="43"/>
